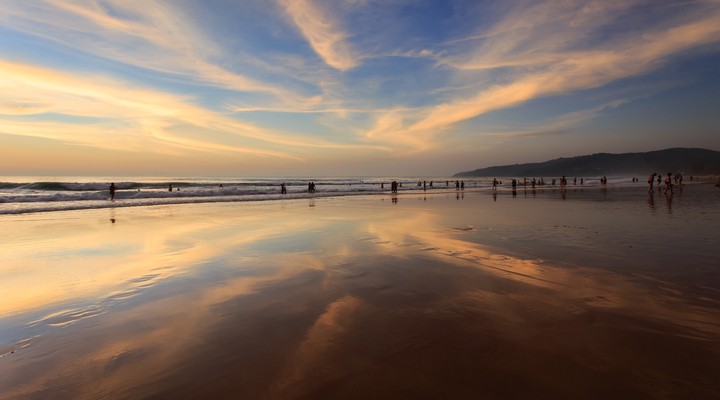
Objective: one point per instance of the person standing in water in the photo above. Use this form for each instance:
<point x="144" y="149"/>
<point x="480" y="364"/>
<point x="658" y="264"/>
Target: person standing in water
<point x="668" y="183"/>
<point x="112" y="191"/>
<point x="651" y="180"/>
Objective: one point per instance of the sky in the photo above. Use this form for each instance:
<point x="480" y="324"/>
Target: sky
<point x="349" y="87"/>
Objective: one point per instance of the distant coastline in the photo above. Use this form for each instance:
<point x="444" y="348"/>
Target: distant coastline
<point x="686" y="161"/>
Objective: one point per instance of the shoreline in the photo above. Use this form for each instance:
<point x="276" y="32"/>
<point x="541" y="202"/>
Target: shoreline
<point x="58" y="206"/>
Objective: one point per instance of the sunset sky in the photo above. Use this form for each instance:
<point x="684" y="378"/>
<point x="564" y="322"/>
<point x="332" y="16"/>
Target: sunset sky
<point x="349" y="87"/>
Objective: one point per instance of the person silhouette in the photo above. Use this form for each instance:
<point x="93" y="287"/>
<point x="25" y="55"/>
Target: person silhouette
<point x="651" y="180"/>
<point x="668" y="183"/>
<point x="112" y="191"/>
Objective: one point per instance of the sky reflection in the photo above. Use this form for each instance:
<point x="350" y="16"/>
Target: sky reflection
<point x="281" y="300"/>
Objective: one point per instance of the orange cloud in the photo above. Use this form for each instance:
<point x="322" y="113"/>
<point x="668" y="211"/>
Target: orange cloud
<point x="323" y="31"/>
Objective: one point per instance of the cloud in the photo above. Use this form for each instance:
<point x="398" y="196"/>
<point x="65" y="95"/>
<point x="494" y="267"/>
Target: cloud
<point x="526" y="135"/>
<point x="108" y="113"/>
<point x="156" y="37"/>
<point x="20" y="108"/>
<point x="323" y="31"/>
<point x="541" y="51"/>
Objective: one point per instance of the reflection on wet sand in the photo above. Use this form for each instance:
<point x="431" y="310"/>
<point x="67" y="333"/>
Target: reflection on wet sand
<point x="352" y="299"/>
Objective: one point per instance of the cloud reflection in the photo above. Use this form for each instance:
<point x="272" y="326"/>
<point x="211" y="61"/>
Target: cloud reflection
<point x="280" y="294"/>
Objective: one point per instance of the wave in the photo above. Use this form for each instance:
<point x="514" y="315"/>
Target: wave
<point x="45" y="206"/>
<point x="131" y="185"/>
<point x="44" y="195"/>
<point x="25" y="197"/>
<point x="88" y="186"/>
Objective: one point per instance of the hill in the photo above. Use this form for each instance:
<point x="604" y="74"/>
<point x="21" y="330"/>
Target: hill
<point x="675" y="160"/>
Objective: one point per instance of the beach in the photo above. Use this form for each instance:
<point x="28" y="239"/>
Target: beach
<point x="590" y="293"/>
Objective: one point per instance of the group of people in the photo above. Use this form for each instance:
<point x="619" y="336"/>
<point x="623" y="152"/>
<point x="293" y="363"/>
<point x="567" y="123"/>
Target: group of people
<point x="539" y="182"/>
<point x="668" y="181"/>
<point x="394" y="186"/>
<point x="562" y="181"/>
<point x="460" y="185"/>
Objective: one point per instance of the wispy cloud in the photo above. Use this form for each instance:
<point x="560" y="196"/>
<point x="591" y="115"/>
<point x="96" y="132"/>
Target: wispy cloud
<point x="156" y="36"/>
<point x="546" y="52"/>
<point x="323" y="31"/>
<point x="109" y="109"/>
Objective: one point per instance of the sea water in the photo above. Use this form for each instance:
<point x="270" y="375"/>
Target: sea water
<point x="23" y="194"/>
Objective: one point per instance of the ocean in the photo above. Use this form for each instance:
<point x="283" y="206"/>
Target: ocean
<point x="25" y="194"/>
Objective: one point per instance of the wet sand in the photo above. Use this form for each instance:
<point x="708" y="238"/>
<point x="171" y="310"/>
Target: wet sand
<point x="583" y="294"/>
